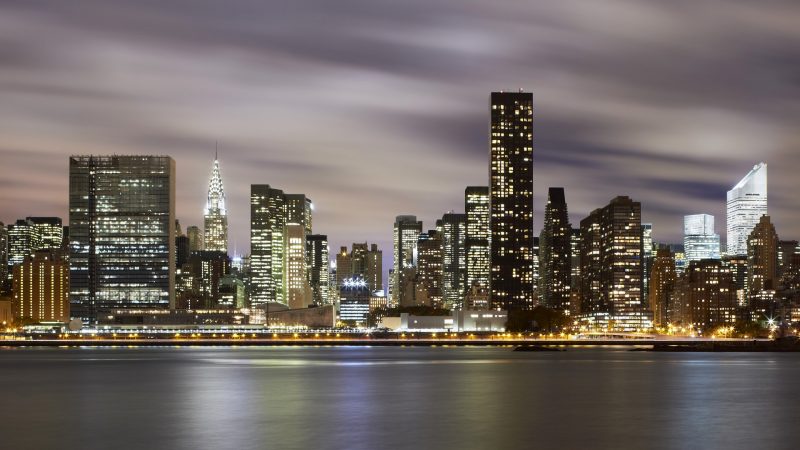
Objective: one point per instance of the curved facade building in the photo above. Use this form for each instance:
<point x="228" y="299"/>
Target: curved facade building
<point x="747" y="202"/>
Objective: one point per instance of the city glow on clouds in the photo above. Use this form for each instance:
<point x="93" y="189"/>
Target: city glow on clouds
<point x="375" y="109"/>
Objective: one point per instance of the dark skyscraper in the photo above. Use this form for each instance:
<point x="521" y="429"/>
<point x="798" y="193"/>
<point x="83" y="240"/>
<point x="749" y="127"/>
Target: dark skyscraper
<point x="318" y="267"/>
<point x="762" y="258"/>
<point x="611" y="263"/>
<point x="511" y="200"/>
<point x="662" y="286"/>
<point x="555" y="259"/>
<point x="122" y="233"/>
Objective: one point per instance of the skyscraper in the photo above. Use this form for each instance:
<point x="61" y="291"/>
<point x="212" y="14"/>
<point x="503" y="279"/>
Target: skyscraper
<point x="122" y="233"/>
<point x="747" y="202"/>
<point x="24" y="238"/>
<point x="3" y="258"/>
<point x="428" y="279"/>
<point x="611" y="262"/>
<point x="195" y="237"/>
<point x="298" y="290"/>
<point x="555" y="252"/>
<point x="454" y="259"/>
<point x="476" y="208"/>
<point x="511" y="282"/>
<point x="762" y="258"/>
<point x="267" y="223"/>
<point x="699" y="239"/>
<point x="319" y="275"/>
<point x="215" y="220"/>
<point x="647" y="259"/>
<point x="406" y="231"/>
<point x="299" y="209"/>
<point x="705" y="295"/>
<point x="50" y="231"/>
<point x="662" y="286"/>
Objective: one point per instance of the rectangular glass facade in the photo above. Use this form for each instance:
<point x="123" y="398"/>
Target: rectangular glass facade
<point x="122" y="233"/>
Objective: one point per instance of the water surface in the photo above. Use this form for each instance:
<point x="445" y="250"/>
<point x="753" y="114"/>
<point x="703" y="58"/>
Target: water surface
<point x="395" y="398"/>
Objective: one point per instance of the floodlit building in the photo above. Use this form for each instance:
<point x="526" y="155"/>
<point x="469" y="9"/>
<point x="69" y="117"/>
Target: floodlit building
<point x="122" y="233"/>
<point x="699" y="239"/>
<point x="215" y="219"/>
<point x="747" y="202"/>
<point x="512" y="280"/>
<point x="460" y="320"/>
<point x="298" y="290"/>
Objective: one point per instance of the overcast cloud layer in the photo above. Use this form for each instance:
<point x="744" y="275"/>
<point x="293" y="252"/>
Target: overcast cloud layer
<point x="379" y="108"/>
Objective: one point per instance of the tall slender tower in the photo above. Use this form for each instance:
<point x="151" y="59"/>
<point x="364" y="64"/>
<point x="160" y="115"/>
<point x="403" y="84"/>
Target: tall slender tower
<point x="747" y="202"/>
<point x="476" y="207"/>
<point x="216" y="216"/>
<point x="555" y="248"/>
<point x="511" y="282"/>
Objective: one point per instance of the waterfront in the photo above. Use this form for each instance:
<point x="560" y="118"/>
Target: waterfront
<point x="368" y="398"/>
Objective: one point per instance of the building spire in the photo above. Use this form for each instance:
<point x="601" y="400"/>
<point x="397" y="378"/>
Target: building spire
<point x="216" y="216"/>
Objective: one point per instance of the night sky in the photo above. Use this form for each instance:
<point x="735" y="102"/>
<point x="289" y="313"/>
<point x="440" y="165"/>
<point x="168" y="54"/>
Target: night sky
<point x="379" y="108"/>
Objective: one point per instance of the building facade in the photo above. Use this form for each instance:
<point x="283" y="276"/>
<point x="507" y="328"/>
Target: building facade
<point x="762" y="259"/>
<point x="454" y="259"/>
<point x="317" y="251"/>
<point x="476" y="209"/>
<point x="699" y="239"/>
<point x="267" y="227"/>
<point x="215" y="219"/>
<point x="122" y="233"/>
<point x="512" y="281"/>
<point x="555" y="252"/>
<point x="747" y="202"/>
<point x="41" y="287"/>
<point x="406" y="231"/>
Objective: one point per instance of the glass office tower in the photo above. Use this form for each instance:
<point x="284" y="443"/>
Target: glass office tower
<point x="122" y="233"/>
<point x="747" y="202"/>
<point x="699" y="239"/>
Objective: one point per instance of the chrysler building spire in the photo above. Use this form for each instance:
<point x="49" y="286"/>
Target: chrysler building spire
<point x="216" y="216"/>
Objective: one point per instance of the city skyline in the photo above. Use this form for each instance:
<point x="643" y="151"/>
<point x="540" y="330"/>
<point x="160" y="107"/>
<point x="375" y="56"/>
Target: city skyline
<point x="650" y="129"/>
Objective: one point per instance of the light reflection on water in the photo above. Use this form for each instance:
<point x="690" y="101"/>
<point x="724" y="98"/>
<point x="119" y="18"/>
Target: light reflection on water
<point x="387" y="398"/>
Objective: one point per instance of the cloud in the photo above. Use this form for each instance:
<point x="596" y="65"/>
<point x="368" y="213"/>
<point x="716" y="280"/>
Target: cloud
<point x="375" y="109"/>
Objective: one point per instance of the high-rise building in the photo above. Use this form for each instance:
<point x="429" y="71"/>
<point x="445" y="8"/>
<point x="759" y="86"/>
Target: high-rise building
<point x="705" y="296"/>
<point x="747" y="202"/>
<point x="555" y="252"/>
<point x="195" y="237"/>
<point x="476" y="208"/>
<point x="50" y="231"/>
<point x="647" y="260"/>
<point x="699" y="239"/>
<point x="406" y="231"/>
<point x="122" y="233"/>
<point x="662" y="286"/>
<point x="267" y="224"/>
<point x="298" y="290"/>
<point x="454" y="259"/>
<point x="737" y="265"/>
<point x="3" y="259"/>
<point x="428" y="280"/>
<point x="24" y="238"/>
<point x="344" y="266"/>
<point x="611" y="262"/>
<point x="207" y="268"/>
<point x="41" y="287"/>
<point x="575" y="272"/>
<point x="373" y="273"/>
<point x="299" y="209"/>
<point x="512" y="281"/>
<point x="762" y="258"/>
<point x="319" y="274"/>
<point x="215" y="219"/>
